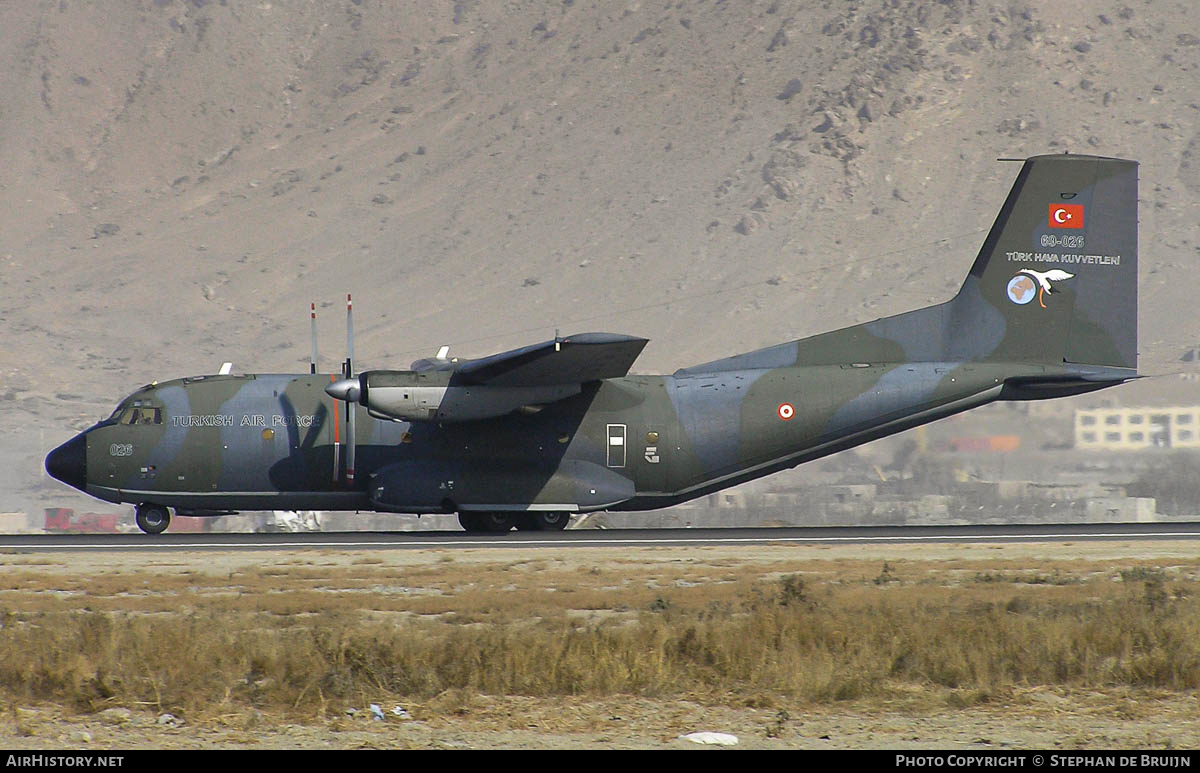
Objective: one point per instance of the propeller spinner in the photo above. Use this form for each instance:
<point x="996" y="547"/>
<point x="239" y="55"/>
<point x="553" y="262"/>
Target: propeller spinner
<point x="346" y="390"/>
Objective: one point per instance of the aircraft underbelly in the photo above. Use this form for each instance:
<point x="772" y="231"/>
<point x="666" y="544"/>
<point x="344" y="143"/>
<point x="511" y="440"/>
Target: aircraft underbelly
<point x="447" y="485"/>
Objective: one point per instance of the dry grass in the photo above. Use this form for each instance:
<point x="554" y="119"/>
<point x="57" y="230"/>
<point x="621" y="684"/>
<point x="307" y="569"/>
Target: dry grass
<point x="302" y="638"/>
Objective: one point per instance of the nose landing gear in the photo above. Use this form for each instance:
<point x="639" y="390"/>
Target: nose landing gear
<point x="152" y="519"/>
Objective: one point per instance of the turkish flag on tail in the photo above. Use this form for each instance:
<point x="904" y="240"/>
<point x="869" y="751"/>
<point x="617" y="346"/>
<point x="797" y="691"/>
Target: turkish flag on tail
<point x="1066" y="216"/>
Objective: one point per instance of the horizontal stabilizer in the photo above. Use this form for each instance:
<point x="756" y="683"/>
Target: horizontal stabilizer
<point x="575" y="359"/>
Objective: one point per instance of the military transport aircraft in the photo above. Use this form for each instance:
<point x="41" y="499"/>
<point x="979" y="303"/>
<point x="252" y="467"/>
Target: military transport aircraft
<point x="525" y="438"/>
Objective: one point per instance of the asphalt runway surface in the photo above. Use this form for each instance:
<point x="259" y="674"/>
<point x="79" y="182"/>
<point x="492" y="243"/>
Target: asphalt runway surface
<point x="632" y="538"/>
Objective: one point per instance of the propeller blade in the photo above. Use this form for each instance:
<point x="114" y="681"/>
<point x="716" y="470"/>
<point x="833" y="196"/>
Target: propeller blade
<point x="337" y="444"/>
<point x="349" y="337"/>
<point x="312" y="367"/>
<point x="351" y="409"/>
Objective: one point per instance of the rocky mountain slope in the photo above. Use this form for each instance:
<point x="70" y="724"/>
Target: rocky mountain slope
<point x="178" y="179"/>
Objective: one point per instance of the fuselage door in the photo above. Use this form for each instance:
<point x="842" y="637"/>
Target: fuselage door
<point x="616" y="445"/>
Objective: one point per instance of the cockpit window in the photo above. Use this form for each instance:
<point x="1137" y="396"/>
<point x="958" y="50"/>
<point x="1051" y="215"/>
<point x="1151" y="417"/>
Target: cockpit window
<point x="142" y="414"/>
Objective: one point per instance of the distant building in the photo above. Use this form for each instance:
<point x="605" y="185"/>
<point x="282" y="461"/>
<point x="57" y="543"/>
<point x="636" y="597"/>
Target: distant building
<point x="985" y="443"/>
<point x="1132" y="429"/>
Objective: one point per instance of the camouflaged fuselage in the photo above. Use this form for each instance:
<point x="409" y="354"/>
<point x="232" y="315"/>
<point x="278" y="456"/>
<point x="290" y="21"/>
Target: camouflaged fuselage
<point x="268" y="441"/>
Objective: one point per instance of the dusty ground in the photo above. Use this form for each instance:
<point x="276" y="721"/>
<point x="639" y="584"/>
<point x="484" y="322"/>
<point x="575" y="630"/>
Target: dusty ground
<point x="1035" y="719"/>
<point x="908" y="717"/>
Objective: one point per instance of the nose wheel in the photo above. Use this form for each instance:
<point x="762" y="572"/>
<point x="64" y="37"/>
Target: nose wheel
<point x="152" y="519"/>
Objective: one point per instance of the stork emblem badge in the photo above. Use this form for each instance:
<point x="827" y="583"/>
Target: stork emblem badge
<point x="1022" y="286"/>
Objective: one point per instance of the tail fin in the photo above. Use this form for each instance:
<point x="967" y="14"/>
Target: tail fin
<point x="1056" y="278"/>
<point x="1055" y="282"/>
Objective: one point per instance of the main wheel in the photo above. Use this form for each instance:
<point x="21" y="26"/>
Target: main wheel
<point x="496" y="522"/>
<point x="152" y="519"/>
<point x="544" y="521"/>
<point x="490" y="523"/>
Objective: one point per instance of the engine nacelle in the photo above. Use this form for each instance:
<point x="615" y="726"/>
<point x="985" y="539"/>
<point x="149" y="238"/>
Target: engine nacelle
<point x="418" y="396"/>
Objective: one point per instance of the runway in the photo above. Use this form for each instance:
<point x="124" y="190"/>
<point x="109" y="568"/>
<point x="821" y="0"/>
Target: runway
<point x="632" y="538"/>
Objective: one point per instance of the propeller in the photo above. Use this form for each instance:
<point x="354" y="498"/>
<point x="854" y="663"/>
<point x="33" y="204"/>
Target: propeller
<point x="347" y="390"/>
<point x="348" y="374"/>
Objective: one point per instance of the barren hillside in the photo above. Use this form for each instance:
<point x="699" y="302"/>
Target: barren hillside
<point x="178" y="179"/>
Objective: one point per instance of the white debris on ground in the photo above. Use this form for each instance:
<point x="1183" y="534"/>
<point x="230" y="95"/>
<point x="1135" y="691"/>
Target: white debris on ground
<point x="711" y="739"/>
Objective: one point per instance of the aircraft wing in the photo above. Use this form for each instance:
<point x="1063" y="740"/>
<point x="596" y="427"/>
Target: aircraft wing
<point x="572" y="360"/>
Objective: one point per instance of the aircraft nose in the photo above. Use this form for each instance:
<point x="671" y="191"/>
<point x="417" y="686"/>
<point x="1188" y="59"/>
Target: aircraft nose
<point x="68" y="462"/>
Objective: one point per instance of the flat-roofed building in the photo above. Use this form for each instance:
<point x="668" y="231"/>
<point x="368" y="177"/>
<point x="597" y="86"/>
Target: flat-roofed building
<point x="1133" y="429"/>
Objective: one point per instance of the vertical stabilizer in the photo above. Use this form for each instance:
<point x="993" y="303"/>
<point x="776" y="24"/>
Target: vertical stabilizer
<point x="1060" y="265"/>
<point x="1055" y="283"/>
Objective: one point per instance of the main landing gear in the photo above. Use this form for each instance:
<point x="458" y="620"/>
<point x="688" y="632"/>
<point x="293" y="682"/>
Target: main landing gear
<point x="501" y="522"/>
<point x="152" y="519"/>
